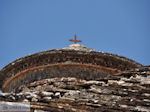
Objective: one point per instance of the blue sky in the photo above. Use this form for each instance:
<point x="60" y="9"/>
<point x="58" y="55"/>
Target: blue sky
<point x="117" y="26"/>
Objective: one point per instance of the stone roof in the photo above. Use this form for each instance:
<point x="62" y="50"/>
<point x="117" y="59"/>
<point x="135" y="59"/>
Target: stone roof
<point x="127" y="92"/>
<point x="77" y="79"/>
<point x="48" y="59"/>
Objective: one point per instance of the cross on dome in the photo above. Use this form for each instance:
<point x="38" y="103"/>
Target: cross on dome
<point x="75" y="40"/>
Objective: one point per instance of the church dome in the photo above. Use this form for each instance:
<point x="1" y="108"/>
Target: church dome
<point x="74" y="61"/>
<point x="76" y="79"/>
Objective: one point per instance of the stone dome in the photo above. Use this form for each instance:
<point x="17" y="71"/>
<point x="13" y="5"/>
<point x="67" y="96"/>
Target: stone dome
<point x="76" y="60"/>
<point x="77" y="79"/>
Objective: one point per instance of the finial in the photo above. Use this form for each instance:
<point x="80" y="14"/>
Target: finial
<point x="75" y="39"/>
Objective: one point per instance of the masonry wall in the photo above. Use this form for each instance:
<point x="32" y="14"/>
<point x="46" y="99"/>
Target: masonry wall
<point x="66" y="56"/>
<point x="80" y="71"/>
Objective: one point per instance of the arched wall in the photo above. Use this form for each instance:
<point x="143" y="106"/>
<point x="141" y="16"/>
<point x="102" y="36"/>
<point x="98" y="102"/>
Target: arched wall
<point x="81" y="71"/>
<point x="66" y="56"/>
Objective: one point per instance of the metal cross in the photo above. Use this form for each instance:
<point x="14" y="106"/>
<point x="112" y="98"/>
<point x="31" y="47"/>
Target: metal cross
<point x="75" y="40"/>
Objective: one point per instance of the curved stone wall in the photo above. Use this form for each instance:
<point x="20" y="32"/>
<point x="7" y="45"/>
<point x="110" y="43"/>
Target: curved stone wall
<point x="80" y="71"/>
<point x="66" y="56"/>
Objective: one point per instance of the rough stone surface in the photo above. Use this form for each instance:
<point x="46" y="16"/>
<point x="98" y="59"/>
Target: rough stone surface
<point x="77" y="79"/>
<point x="126" y="92"/>
<point x="66" y="56"/>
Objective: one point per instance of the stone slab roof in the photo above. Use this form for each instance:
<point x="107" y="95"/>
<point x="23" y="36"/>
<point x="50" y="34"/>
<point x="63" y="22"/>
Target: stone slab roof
<point x="77" y="79"/>
<point x="127" y="92"/>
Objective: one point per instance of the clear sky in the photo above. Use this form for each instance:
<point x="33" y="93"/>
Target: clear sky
<point x="117" y="26"/>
